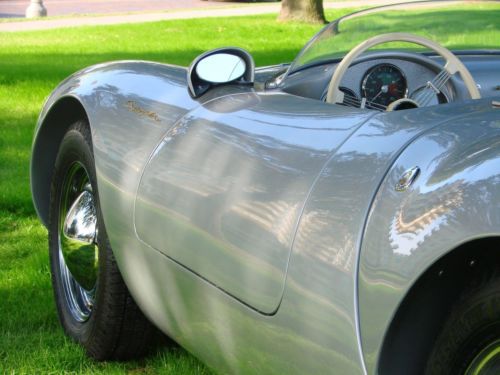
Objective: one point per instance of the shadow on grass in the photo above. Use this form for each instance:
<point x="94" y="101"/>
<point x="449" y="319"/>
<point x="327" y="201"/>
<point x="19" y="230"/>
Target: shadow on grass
<point x="15" y="149"/>
<point x="55" y="67"/>
<point x="31" y="338"/>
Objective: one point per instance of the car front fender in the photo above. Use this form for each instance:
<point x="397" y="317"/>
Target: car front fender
<point x="128" y="105"/>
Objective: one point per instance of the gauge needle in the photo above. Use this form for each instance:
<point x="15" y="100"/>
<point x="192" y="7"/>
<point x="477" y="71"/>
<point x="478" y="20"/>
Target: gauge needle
<point x="383" y="90"/>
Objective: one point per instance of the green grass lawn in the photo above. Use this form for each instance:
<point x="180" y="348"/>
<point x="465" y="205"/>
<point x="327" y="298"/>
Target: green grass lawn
<point x="31" y="65"/>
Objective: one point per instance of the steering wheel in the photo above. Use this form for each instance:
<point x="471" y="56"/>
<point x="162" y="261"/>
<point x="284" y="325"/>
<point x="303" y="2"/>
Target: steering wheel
<point x="452" y="66"/>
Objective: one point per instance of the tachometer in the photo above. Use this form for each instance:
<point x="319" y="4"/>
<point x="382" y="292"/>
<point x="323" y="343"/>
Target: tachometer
<point x="382" y="85"/>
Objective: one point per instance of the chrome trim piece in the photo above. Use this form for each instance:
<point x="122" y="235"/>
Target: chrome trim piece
<point x="407" y="179"/>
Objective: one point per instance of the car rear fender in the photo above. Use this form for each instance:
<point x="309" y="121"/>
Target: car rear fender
<point x="454" y="199"/>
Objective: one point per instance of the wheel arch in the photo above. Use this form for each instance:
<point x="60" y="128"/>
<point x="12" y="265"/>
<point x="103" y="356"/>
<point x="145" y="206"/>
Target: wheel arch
<point x="418" y="319"/>
<point x="49" y="134"/>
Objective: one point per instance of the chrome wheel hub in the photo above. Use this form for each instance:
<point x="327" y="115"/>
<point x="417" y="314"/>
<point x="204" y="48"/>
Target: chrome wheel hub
<point x="78" y="249"/>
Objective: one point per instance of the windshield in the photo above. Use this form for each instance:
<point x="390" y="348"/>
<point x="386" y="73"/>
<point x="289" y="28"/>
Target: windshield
<point x="457" y="25"/>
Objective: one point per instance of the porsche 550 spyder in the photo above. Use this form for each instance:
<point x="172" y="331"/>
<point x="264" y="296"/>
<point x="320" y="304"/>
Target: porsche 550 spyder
<point x="339" y="214"/>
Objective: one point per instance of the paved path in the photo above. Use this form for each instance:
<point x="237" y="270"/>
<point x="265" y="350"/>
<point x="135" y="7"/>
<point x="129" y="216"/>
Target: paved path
<point x="222" y="10"/>
<point x="16" y="8"/>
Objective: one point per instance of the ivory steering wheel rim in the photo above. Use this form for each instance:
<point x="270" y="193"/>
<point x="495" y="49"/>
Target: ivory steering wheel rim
<point x="452" y="63"/>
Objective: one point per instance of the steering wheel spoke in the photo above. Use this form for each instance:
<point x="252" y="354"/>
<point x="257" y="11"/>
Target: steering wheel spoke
<point x="433" y="88"/>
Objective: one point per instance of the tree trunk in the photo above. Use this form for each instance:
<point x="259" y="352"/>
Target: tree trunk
<point x="302" y="10"/>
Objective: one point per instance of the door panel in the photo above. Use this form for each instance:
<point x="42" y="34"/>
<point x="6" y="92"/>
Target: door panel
<point x="224" y="190"/>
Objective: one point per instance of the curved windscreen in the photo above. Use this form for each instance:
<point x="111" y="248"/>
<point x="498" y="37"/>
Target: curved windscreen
<point x="457" y="25"/>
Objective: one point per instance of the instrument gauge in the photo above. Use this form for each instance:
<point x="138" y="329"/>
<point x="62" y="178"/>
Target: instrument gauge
<point x="382" y="85"/>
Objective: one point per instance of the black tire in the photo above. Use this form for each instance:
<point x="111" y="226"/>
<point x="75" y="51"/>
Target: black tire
<point x="472" y="327"/>
<point x="114" y="328"/>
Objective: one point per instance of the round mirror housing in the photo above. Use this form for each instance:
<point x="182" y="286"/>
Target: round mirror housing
<point x="218" y="67"/>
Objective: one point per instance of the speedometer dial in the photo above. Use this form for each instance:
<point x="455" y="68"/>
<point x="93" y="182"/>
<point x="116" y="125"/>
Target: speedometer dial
<point x="382" y="85"/>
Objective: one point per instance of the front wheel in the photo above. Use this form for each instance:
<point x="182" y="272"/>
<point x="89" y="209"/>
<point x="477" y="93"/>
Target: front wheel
<point x="469" y="342"/>
<point x="93" y="303"/>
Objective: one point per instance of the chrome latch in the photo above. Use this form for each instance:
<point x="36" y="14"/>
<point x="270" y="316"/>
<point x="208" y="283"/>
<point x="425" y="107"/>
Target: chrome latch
<point x="407" y="179"/>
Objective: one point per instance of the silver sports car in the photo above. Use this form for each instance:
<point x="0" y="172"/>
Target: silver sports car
<point x="339" y="214"/>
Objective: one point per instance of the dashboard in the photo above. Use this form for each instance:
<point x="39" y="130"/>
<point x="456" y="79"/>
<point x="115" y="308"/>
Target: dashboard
<point x="378" y="79"/>
<point x="380" y="82"/>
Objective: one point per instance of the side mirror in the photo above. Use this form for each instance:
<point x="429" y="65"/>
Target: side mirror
<point x="220" y="66"/>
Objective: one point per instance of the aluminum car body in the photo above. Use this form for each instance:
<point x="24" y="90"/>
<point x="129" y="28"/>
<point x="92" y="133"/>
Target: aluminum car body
<point x="311" y="184"/>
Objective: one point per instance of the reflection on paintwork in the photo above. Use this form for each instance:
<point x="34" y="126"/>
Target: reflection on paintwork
<point x="407" y="232"/>
<point x="222" y="194"/>
<point x="310" y="243"/>
<point x="321" y="273"/>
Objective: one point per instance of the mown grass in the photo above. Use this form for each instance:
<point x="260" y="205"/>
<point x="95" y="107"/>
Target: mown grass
<point x="31" y="65"/>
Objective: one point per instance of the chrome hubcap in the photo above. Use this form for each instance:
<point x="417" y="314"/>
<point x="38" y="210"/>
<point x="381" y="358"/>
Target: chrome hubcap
<point x="487" y="362"/>
<point x="78" y="250"/>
